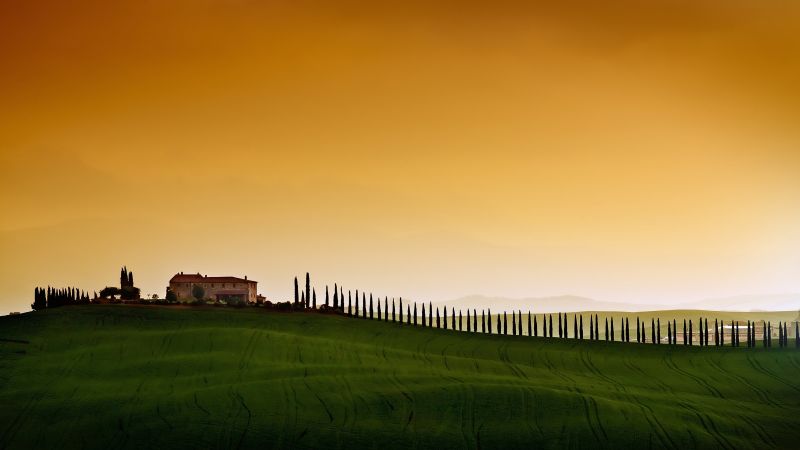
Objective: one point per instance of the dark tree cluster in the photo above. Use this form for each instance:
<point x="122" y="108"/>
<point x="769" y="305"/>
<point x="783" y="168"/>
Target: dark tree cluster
<point x="53" y="298"/>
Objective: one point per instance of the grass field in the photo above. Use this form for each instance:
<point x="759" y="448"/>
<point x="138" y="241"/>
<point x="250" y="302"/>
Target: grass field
<point x="158" y="377"/>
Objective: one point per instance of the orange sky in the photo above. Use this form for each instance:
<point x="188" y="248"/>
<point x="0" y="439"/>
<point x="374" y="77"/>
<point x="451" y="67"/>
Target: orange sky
<point x="634" y="151"/>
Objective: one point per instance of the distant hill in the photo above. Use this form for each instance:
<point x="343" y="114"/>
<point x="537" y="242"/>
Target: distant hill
<point x="561" y="303"/>
<point x="755" y="302"/>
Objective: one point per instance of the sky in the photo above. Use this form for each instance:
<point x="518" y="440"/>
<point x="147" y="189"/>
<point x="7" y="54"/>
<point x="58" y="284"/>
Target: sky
<point x="627" y="151"/>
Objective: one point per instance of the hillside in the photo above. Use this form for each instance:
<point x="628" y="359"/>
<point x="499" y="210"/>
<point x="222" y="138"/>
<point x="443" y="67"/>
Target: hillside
<point x="158" y="377"/>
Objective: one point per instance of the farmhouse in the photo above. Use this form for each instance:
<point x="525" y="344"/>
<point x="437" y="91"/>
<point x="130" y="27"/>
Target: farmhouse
<point x="228" y="289"/>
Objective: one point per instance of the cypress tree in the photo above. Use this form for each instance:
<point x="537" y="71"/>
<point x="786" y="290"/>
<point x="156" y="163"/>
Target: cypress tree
<point x="489" y="321"/>
<point x="658" y="331"/>
<point x="785" y="336"/>
<point x="379" y="309"/>
<point x="423" y="315"/>
<point x="455" y="327"/>
<point x="606" y="335"/>
<point x="326" y="296"/>
<point x="483" y="322"/>
<point x="308" y="287"/>
<point x="716" y="332"/>
<point x="499" y="325"/>
<point x="364" y="304"/>
<point x="612" y="329"/>
<point x="460" y="321"/>
<point x="591" y="328"/>
<point x="550" y="326"/>
<point x="535" y="327"/>
<point x="627" y="330"/>
<point x="669" y="333"/>
<point x="705" y="330"/>
<point x="302" y="298"/>
<point x="530" y="328"/>
<point x="430" y="314"/>
<point x="638" y="334"/>
<point x="349" y="305"/>
<point x="581" y="328"/>
<point x="519" y="322"/>
<point x="596" y="327"/>
<point x="513" y="323"/>
<point x="575" y="326"/>
<point x="796" y="334"/>
<point x="408" y="314"/>
<point x="336" y="298"/>
<point x="400" y="310"/>
<point x="690" y="332"/>
<point x="444" y="316"/>
<point x="644" y="335"/>
<point x="314" y="298"/>
<point x="393" y="315"/>
<point x="685" y="336"/>
<point x="560" y="334"/>
<point x="748" y="334"/>
<point x="438" y="322"/>
<point x="469" y="328"/>
<point x="296" y="291"/>
<point x="370" y="307"/>
<point x="385" y="308"/>
<point x="505" y="323"/>
<point x="415" y="313"/>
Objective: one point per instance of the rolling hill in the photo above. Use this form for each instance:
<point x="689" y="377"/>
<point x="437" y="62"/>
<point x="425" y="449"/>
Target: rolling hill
<point x="178" y="377"/>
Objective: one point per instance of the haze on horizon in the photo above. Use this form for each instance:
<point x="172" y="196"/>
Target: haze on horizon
<point x="643" y="153"/>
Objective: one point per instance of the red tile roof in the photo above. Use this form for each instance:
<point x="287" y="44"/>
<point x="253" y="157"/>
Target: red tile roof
<point x="197" y="278"/>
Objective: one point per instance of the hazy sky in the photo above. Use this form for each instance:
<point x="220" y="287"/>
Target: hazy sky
<point x="628" y="150"/>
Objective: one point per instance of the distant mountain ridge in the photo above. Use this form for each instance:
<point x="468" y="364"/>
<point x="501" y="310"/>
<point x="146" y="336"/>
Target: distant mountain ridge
<point x="574" y="303"/>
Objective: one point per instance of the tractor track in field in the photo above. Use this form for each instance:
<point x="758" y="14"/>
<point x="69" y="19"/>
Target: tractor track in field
<point x="708" y="424"/>
<point x="757" y="366"/>
<point x="760" y="393"/>
<point x="667" y="358"/>
<point x="648" y="413"/>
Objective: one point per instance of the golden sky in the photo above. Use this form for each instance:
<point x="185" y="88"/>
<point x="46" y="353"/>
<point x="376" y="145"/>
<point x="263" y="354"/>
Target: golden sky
<point x="626" y="150"/>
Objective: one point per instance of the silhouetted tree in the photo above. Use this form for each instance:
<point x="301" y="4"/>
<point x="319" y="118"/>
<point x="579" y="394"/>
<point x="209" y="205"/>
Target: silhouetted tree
<point x="513" y="323"/>
<point x="379" y="308"/>
<point x="438" y="322"/>
<point x="658" y="331"/>
<point x="580" y="328"/>
<point x="483" y="322"/>
<point x="612" y="329"/>
<point x="198" y="292"/>
<point x="575" y="326"/>
<point x="606" y="335"/>
<point x="308" y="288"/>
<point x="550" y="326"/>
<point x="460" y="321"/>
<point x="455" y="328"/>
<point x="423" y="316"/>
<point x="530" y="328"/>
<point x="669" y="332"/>
<point x="327" y="297"/>
<point x="489" y="321"/>
<point x="444" y="317"/>
<point x="627" y="330"/>
<point x="535" y="327"/>
<point x="393" y="316"/>
<point x="591" y="328"/>
<point x="400" y="309"/>
<point x="505" y="323"/>
<point x="408" y="314"/>
<point x="415" y="313"/>
<point x="302" y="298"/>
<point x="638" y="333"/>
<point x="296" y="292"/>
<point x="314" y="298"/>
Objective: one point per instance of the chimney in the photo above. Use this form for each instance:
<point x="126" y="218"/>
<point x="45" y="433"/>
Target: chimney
<point x="245" y="277"/>
<point x="181" y="272"/>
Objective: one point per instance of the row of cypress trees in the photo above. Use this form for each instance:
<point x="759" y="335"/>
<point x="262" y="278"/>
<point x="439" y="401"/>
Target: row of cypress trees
<point x="53" y="297"/>
<point x="373" y="308"/>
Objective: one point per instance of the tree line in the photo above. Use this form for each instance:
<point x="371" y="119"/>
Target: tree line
<point x="54" y="297"/>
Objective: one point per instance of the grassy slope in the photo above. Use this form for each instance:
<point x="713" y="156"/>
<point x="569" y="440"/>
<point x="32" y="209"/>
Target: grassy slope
<point x="139" y="377"/>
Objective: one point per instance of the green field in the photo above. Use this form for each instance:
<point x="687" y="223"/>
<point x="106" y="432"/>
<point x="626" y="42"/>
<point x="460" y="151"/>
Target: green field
<point x="178" y="377"/>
